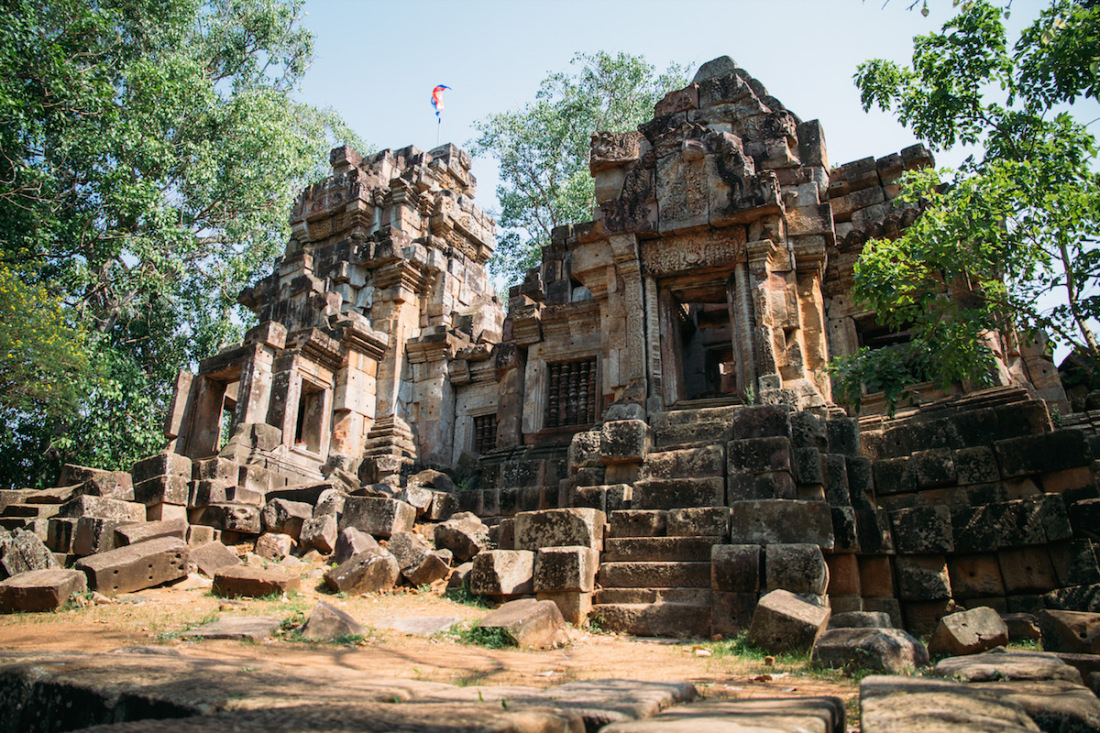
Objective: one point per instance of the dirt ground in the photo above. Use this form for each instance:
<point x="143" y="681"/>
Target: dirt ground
<point x="160" y="617"/>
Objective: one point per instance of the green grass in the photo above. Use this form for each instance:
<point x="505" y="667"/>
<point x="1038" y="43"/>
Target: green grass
<point x="465" y="597"/>
<point x="488" y="637"/>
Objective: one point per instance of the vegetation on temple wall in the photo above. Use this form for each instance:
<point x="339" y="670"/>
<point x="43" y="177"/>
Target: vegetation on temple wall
<point x="1008" y="242"/>
<point x="543" y="148"/>
<point x="150" y="152"/>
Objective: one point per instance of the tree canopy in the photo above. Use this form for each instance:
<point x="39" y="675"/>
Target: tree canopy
<point x="150" y="152"/>
<point x="543" y="147"/>
<point x="1007" y="242"/>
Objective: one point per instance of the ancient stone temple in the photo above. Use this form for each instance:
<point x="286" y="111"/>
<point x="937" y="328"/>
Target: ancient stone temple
<point x="648" y="427"/>
<point x="381" y="288"/>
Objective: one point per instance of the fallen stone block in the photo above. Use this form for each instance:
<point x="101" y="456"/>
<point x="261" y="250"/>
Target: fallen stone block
<point x="460" y="577"/>
<point x="350" y="543"/>
<point x="464" y="534"/>
<point x="419" y="563"/>
<point x="210" y="557"/>
<point x="782" y="622"/>
<point x="797" y="568"/>
<point x="377" y="516"/>
<point x="905" y="704"/>
<point x="880" y="649"/>
<point x="135" y="567"/>
<point x="566" y="569"/>
<point x="131" y="534"/>
<point x="860" y="620"/>
<point x="560" y="528"/>
<point x="162" y="464"/>
<point x="243" y="518"/>
<point x="40" y="590"/>
<point x="1022" y="627"/>
<point x="998" y="665"/>
<point x="444" y="506"/>
<point x="372" y="571"/>
<point x="417" y="497"/>
<point x="436" y="565"/>
<point x="166" y="513"/>
<point x="409" y="548"/>
<point x="1075" y="632"/>
<point x="274" y="546"/>
<point x="103" y="508"/>
<point x="96" y="482"/>
<point x="248" y="582"/>
<point x="968" y="632"/>
<point x="503" y="573"/>
<point x="319" y="533"/>
<point x="93" y="535"/>
<point x="528" y="623"/>
<point x="326" y="623"/>
<point x="163" y="490"/>
<point x="285" y="516"/>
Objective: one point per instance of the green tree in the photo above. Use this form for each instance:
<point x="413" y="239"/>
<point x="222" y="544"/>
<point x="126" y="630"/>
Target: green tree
<point x="150" y="152"/>
<point x="543" y="147"/>
<point x="1007" y="242"/>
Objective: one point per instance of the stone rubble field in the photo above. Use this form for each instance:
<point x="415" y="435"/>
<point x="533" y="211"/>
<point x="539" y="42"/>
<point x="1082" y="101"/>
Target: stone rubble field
<point x="332" y="616"/>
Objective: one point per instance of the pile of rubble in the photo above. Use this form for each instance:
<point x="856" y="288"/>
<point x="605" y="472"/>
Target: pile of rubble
<point x="117" y="532"/>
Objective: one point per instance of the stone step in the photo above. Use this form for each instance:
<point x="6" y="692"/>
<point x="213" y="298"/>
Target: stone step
<point x="697" y="596"/>
<point x="654" y="575"/>
<point x="659" y="549"/>
<point x="696" y="462"/>
<point x="654" y="619"/>
<point x="680" y="492"/>
<point x="690" y="428"/>
<point x="637" y="523"/>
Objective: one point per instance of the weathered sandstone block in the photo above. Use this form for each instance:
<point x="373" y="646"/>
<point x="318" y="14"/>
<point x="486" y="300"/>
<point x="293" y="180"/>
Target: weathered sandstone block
<point x="135" y="567"/>
<point x="40" y="590"/>
<point x="503" y="573"/>
<point x="783" y="622"/>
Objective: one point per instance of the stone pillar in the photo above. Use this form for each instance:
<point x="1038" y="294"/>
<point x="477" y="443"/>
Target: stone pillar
<point x="655" y="401"/>
<point x="353" y="405"/>
<point x="286" y="389"/>
<point x="254" y="392"/>
<point x="630" y="356"/>
<point x="511" y="363"/>
<point x="429" y="357"/>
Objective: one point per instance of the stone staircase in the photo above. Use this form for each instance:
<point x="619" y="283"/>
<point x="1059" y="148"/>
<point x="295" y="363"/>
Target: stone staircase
<point x="655" y="572"/>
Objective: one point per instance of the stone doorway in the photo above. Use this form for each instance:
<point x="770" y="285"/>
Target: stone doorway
<point x="704" y="361"/>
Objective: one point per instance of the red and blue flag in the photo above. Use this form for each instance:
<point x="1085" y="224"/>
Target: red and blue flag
<point x="437" y="98"/>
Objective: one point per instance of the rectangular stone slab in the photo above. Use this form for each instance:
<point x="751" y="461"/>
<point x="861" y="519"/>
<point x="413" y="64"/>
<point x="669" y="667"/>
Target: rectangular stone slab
<point x="135" y="567"/>
<point x="40" y="590"/>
